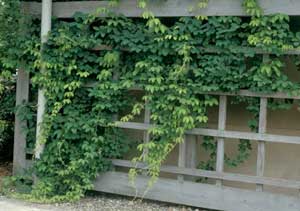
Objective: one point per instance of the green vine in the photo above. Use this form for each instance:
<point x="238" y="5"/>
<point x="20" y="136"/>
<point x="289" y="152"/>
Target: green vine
<point x="169" y="59"/>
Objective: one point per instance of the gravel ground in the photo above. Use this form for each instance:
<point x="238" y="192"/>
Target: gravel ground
<point x="113" y="202"/>
<point x="100" y="202"/>
<point x="93" y="202"/>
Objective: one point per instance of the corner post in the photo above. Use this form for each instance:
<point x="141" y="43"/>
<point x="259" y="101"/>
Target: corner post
<point x="45" y="29"/>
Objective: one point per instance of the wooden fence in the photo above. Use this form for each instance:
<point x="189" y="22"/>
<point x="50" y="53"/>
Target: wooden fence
<point x="183" y="190"/>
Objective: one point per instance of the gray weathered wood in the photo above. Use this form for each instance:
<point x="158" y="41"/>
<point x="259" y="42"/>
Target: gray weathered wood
<point x="276" y="182"/>
<point x="22" y="95"/>
<point x="220" y="133"/>
<point x="247" y="93"/>
<point x="146" y="137"/>
<point x="221" y="144"/>
<point x="197" y="194"/>
<point x="191" y="153"/>
<point x="260" y="166"/>
<point x="243" y="93"/>
<point x="213" y="49"/>
<point x="45" y="29"/>
<point x="181" y="158"/>
<point x="168" y="8"/>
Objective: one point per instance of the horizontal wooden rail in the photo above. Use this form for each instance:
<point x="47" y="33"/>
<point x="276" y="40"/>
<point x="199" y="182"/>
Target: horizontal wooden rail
<point x="196" y="194"/>
<point x="167" y="8"/>
<point x="247" y="93"/>
<point x="215" y="175"/>
<point x="242" y="93"/>
<point x="213" y="49"/>
<point x="221" y="133"/>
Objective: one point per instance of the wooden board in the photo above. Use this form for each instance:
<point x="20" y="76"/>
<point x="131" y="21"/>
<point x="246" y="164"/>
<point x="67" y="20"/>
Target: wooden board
<point x="197" y="194"/>
<point x="220" y="133"/>
<point x="276" y="182"/>
<point x="168" y="8"/>
<point x="22" y="95"/>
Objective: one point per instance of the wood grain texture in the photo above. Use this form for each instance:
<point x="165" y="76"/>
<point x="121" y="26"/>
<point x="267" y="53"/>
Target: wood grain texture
<point x="168" y="8"/>
<point x="221" y="143"/>
<point x="276" y="182"/>
<point x="261" y="151"/>
<point x="190" y="154"/>
<point x="196" y="194"/>
<point x="220" y="133"/>
<point x="22" y="96"/>
<point x="45" y="29"/>
<point x="182" y="158"/>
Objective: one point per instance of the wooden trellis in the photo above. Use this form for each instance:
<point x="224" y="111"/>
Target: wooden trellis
<point x="183" y="190"/>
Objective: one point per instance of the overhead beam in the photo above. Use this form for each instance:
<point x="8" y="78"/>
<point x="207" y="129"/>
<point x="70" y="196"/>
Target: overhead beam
<point x="168" y="8"/>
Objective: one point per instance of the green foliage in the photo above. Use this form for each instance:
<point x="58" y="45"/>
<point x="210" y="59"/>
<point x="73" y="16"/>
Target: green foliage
<point x="171" y="60"/>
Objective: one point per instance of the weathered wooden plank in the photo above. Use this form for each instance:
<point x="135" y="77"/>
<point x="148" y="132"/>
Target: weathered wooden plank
<point x="181" y="158"/>
<point x="196" y="194"/>
<point x="260" y="166"/>
<point x="242" y="93"/>
<point x="22" y="96"/>
<point x="221" y="144"/>
<point x="191" y="153"/>
<point x="223" y="134"/>
<point x="146" y="137"/>
<point x="247" y="93"/>
<point x="213" y="49"/>
<point x="168" y="8"/>
<point x="276" y="182"/>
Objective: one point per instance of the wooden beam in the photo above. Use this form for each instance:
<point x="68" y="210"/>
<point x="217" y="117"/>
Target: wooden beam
<point x="146" y="137"/>
<point x="221" y="143"/>
<point x="196" y="194"/>
<point x="22" y="95"/>
<point x="45" y="29"/>
<point x="219" y="133"/>
<point x="247" y="93"/>
<point x="276" y="182"/>
<point x="261" y="152"/>
<point x="242" y="93"/>
<point x="191" y="154"/>
<point x="168" y="8"/>
<point x="181" y="158"/>
<point x="214" y="49"/>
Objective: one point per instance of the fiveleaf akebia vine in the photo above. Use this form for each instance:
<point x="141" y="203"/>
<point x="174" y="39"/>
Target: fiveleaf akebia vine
<point x="169" y="59"/>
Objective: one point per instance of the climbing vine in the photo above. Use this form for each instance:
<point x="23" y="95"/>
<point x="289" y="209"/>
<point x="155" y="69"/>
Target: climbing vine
<point x="93" y="62"/>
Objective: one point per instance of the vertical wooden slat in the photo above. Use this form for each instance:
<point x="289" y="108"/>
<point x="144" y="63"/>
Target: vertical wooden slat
<point x="146" y="137"/>
<point x="221" y="126"/>
<point x="182" y="158"/>
<point x="261" y="144"/>
<point x="191" y="153"/>
<point x="45" y="29"/>
<point x="262" y="126"/>
<point x="22" y="95"/>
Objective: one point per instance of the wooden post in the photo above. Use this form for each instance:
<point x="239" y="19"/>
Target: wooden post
<point x="45" y="29"/>
<point x="146" y="137"/>
<point x="261" y="144"/>
<point x="182" y="158"/>
<point x="221" y="145"/>
<point x="191" y="153"/>
<point x="262" y="126"/>
<point x="22" y="95"/>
